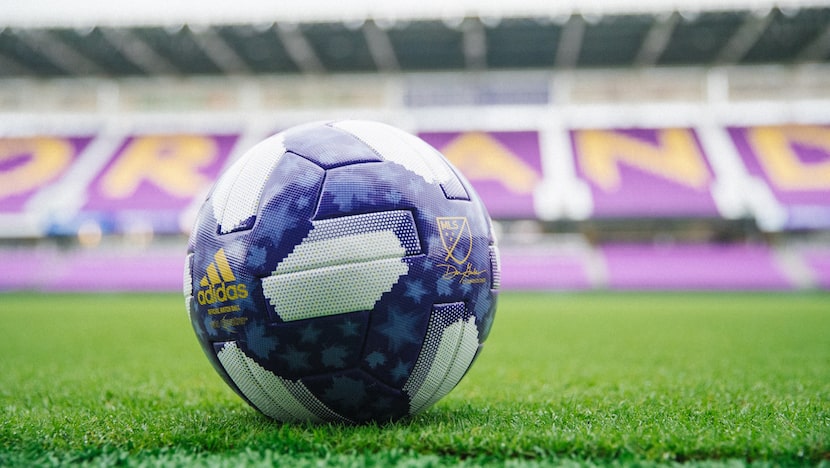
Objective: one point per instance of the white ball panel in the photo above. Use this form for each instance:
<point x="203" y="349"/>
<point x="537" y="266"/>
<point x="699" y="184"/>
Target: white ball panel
<point x="444" y="365"/>
<point x="355" y="248"/>
<point x="187" y="284"/>
<point x="332" y="290"/>
<point x="278" y="398"/>
<point x="237" y="193"/>
<point x="340" y="267"/>
<point x="401" y="148"/>
<point x="234" y="362"/>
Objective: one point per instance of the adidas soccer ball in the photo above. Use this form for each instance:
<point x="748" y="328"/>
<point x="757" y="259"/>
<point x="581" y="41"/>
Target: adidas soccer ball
<point x="342" y="271"/>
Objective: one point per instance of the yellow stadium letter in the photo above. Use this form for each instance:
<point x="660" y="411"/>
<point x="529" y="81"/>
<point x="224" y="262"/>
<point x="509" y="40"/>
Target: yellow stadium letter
<point x="774" y="149"/>
<point x="479" y="156"/>
<point x="170" y="162"/>
<point x="45" y="157"/>
<point x="676" y="157"/>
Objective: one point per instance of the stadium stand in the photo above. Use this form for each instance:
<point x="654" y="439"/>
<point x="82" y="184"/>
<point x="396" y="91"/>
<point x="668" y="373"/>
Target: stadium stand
<point x="631" y="147"/>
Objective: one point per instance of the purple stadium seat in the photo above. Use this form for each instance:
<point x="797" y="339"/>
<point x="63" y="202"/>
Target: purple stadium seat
<point x="716" y="267"/>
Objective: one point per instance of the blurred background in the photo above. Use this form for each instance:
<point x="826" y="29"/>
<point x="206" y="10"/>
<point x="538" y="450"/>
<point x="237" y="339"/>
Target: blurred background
<point x="620" y="144"/>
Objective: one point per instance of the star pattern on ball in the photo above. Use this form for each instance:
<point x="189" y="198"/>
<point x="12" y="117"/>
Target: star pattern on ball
<point x="296" y="359"/>
<point x="310" y="334"/>
<point x="415" y="290"/>
<point x="302" y="202"/>
<point x="256" y="256"/>
<point x="346" y="195"/>
<point x="281" y="221"/>
<point x="207" y="321"/>
<point x="400" y="329"/>
<point x="334" y="356"/>
<point x="349" y="328"/>
<point x="346" y="390"/>
<point x="444" y="286"/>
<point x="258" y="341"/>
<point x="393" y="196"/>
<point x="375" y="359"/>
<point x="400" y="371"/>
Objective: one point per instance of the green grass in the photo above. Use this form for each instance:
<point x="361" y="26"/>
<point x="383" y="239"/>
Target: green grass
<point x="640" y="379"/>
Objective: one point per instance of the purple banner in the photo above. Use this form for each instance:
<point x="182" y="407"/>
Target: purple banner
<point x="158" y="172"/>
<point x="794" y="161"/>
<point x="152" y="178"/>
<point x="504" y="167"/>
<point x="644" y="172"/>
<point x="29" y="164"/>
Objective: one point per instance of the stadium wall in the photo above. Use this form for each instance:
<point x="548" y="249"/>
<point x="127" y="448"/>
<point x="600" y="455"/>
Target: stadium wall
<point x="111" y="164"/>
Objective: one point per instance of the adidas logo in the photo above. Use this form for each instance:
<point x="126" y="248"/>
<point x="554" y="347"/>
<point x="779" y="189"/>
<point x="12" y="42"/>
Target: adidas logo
<point x="219" y="283"/>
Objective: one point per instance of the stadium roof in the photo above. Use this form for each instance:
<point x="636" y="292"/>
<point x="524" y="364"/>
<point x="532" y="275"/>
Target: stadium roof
<point x="53" y="38"/>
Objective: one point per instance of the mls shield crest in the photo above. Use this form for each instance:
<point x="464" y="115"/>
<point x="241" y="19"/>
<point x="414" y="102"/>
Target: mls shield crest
<point x="456" y="238"/>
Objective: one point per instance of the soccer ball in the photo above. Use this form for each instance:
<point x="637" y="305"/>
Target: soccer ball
<point x="342" y="271"/>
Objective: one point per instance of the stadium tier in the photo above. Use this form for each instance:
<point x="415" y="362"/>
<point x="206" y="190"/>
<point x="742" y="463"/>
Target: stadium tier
<point x="779" y="175"/>
<point x="89" y="185"/>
